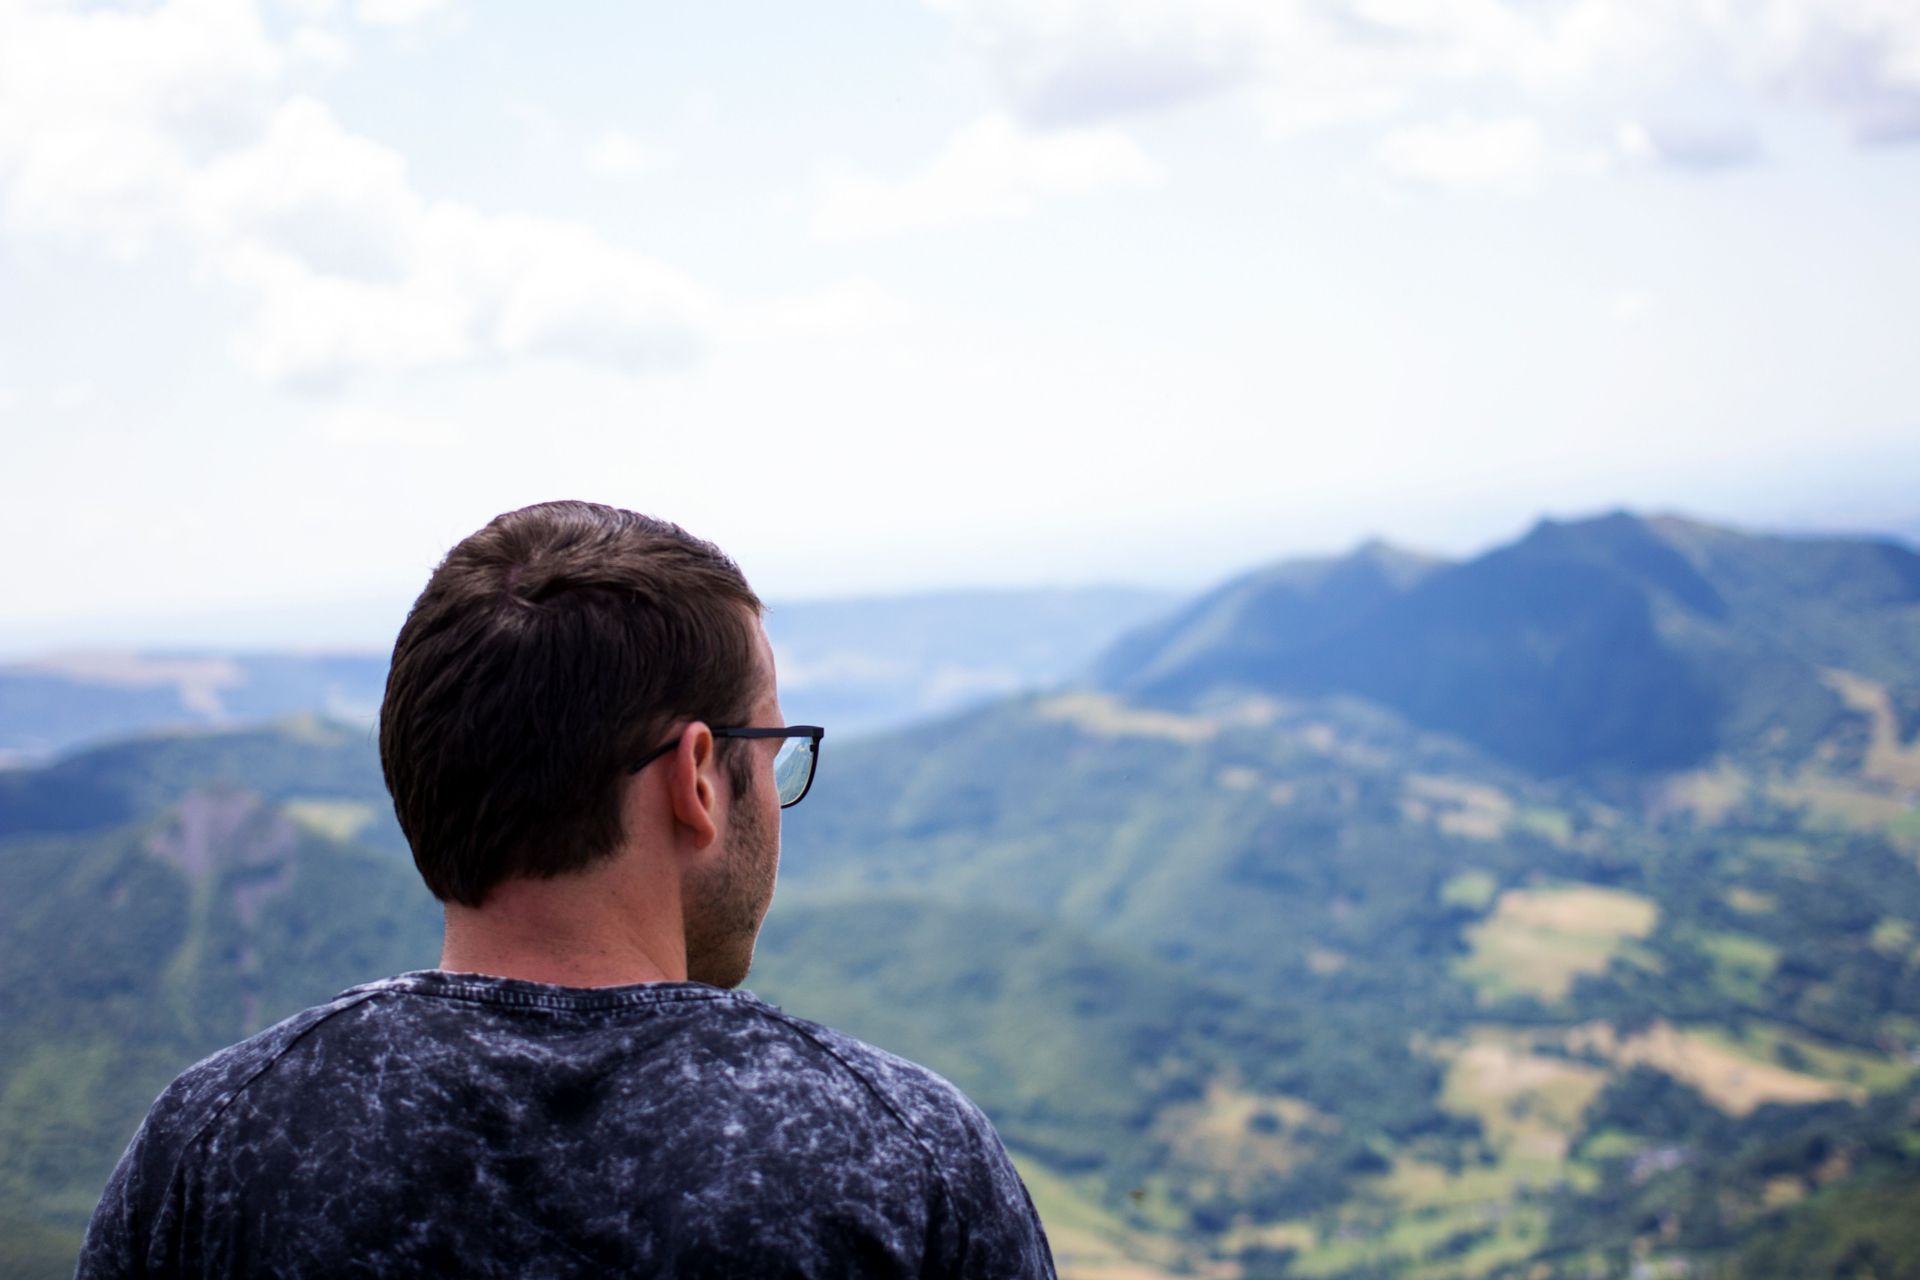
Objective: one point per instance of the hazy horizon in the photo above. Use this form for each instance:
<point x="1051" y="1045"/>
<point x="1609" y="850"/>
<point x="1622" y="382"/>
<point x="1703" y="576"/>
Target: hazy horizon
<point x="365" y="622"/>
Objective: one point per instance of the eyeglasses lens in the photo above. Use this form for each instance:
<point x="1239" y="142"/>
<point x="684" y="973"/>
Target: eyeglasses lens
<point x="792" y="768"/>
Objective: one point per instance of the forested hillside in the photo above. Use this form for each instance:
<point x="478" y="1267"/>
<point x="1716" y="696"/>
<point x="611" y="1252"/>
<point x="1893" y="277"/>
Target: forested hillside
<point x="1265" y="960"/>
<point x="1618" y="643"/>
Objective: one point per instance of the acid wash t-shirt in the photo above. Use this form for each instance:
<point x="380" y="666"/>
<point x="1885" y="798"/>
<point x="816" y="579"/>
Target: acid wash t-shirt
<point x="440" y="1124"/>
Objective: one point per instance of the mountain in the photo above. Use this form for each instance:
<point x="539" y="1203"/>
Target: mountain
<point x="1285" y="846"/>
<point x="131" y="952"/>
<point x="1593" y="1035"/>
<point x="1256" y="979"/>
<point x="56" y="702"/>
<point x="1099" y="1062"/>
<point x="1254" y="623"/>
<point x="329" y="773"/>
<point x="1618" y="643"/>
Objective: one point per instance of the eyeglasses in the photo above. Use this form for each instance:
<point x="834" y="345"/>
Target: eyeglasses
<point x="793" y="764"/>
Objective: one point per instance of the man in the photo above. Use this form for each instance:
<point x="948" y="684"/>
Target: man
<point x="583" y="739"/>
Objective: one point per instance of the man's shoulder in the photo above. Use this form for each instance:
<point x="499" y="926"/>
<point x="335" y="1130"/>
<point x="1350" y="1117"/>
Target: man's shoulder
<point x="995" y="1230"/>
<point x="198" y="1095"/>
<point x="184" y="1113"/>
<point x="925" y="1102"/>
<point x="707" y="1087"/>
<point x="765" y="1041"/>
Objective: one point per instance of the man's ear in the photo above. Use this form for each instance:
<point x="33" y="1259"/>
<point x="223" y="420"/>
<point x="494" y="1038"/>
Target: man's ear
<point x="691" y="790"/>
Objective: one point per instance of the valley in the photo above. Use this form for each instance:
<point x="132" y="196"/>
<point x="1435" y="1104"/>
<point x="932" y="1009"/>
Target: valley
<point x="1555" y="914"/>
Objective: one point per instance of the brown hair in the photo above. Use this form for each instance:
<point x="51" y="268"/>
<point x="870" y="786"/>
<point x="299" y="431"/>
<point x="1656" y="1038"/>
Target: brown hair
<point x="548" y="653"/>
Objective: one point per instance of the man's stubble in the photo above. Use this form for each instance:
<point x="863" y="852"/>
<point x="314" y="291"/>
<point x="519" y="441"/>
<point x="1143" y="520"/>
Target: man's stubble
<point x="725" y="905"/>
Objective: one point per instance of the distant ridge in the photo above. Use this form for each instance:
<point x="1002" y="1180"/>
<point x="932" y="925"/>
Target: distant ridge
<point x="1241" y="630"/>
<point x="857" y="664"/>
<point x="1619" y="642"/>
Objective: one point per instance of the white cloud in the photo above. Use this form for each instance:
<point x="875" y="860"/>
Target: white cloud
<point x="318" y="330"/>
<point x="352" y="270"/>
<point x="73" y="397"/>
<point x="853" y="306"/>
<point x="104" y="115"/>
<point x="339" y="203"/>
<point x="318" y="47"/>
<point x="1631" y="307"/>
<point x="1699" y="146"/>
<point x="556" y="288"/>
<point x="364" y="426"/>
<point x="121" y="127"/>
<point x="621" y="155"/>
<point x="1305" y="64"/>
<point x="1066" y="61"/>
<point x="993" y="168"/>
<point x="397" y="13"/>
<point x="1509" y="153"/>
<point x="1858" y="57"/>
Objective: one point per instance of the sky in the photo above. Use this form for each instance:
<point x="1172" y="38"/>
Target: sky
<point x="900" y="297"/>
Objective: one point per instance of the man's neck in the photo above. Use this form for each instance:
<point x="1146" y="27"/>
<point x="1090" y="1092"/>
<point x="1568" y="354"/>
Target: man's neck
<point x="586" y="930"/>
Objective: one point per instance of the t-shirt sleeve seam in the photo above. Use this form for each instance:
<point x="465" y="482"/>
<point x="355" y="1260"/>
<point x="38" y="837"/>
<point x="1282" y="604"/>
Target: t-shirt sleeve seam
<point x="913" y="1131"/>
<point x="272" y="1061"/>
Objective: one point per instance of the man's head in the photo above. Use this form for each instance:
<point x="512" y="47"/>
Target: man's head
<point x="548" y="653"/>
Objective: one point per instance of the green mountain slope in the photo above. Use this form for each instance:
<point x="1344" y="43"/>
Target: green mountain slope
<point x="1516" y="957"/>
<point x="1387" y="990"/>
<point x="1126" y="1074"/>
<point x="1255" y="981"/>
<point x="1239" y="631"/>
<point x="1302" y="846"/>
<point x="325" y="769"/>
<point x="1615" y="643"/>
<point x="129" y="954"/>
